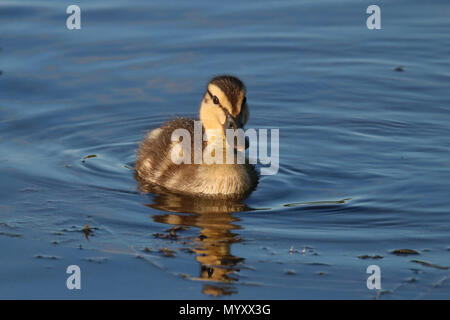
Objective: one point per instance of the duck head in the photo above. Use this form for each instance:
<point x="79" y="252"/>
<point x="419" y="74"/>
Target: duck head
<point x="224" y="107"/>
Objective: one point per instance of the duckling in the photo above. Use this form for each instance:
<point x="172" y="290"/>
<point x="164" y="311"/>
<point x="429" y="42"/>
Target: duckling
<point x="223" y="106"/>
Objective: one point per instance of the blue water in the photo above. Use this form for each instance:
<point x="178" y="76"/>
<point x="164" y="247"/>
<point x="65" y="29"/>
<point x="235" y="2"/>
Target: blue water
<point x="364" y="149"/>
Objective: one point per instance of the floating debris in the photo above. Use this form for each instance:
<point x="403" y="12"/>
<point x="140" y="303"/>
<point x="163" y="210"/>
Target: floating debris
<point x="160" y="235"/>
<point x="382" y="292"/>
<point x="428" y="264"/>
<point x="365" y="256"/>
<point x="404" y="252"/>
<point x="172" y="233"/>
<point x="399" y="69"/>
<point x="147" y="249"/>
<point x="290" y="272"/>
<point x="43" y="256"/>
<point x="317" y="264"/>
<point x="411" y="280"/>
<point x="97" y="259"/>
<point x="292" y="250"/>
<point x="88" y="157"/>
<point x="88" y="231"/>
<point x="11" y="235"/>
<point x="313" y="203"/>
<point x="167" y="252"/>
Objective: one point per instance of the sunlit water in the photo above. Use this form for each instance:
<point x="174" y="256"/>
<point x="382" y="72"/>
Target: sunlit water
<point x="364" y="149"/>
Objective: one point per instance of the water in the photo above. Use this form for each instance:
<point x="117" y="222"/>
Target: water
<point x="364" y="149"/>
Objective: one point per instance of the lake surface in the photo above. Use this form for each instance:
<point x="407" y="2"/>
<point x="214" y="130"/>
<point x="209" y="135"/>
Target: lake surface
<point x="364" y="120"/>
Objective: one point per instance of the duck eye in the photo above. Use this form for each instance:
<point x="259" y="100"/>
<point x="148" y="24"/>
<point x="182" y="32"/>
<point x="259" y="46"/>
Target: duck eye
<point x="215" y="100"/>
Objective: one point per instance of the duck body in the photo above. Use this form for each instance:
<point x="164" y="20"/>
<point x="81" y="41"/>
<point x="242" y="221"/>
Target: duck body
<point x="154" y="165"/>
<point x="223" y="108"/>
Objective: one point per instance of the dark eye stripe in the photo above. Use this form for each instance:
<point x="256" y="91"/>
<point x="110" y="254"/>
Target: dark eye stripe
<point x="214" y="98"/>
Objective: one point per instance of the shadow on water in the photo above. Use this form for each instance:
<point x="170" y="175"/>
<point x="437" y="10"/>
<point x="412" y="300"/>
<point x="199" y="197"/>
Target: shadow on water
<point x="212" y="244"/>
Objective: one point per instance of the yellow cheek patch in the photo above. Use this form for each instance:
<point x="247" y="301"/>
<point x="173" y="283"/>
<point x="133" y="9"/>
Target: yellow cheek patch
<point x="212" y="117"/>
<point x="216" y="91"/>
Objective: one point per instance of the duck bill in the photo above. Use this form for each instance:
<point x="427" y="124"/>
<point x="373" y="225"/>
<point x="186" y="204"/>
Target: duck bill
<point x="233" y="124"/>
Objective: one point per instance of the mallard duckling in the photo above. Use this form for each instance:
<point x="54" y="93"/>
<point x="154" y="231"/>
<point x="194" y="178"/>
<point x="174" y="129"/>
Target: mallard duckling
<point x="224" y="106"/>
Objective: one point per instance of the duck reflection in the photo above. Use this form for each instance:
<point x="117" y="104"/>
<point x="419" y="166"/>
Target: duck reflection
<point x="214" y="218"/>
